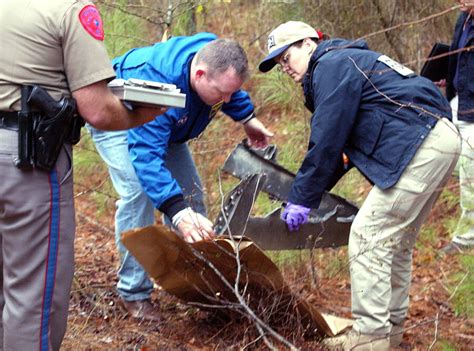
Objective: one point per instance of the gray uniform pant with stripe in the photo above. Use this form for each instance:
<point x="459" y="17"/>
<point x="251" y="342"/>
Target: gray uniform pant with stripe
<point x="37" y="250"/>
<point x="384" y="231"/>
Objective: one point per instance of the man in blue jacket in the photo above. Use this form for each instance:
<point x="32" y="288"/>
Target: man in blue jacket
<point x="460" y="91"/>
<point x="395" y="127"/>
<point x="160" y="172"/>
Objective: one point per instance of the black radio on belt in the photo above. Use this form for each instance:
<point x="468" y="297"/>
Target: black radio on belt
<point x="41" y="135"/>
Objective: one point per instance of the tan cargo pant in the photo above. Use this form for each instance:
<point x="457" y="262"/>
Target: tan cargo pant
<point x="36" y="250"/>
<point x="385" y="229"/>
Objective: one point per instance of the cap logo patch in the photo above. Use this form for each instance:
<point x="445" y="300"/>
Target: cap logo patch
<point x="91" y="21"/>
<point x="271" y="42"/>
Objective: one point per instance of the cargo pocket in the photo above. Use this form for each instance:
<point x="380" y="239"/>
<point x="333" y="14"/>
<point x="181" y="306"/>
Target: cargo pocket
<point x="411" y="183"/>
<point x="409" y="192"/>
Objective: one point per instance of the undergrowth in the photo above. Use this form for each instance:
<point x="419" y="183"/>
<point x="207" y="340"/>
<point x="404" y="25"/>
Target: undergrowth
<point x="279" y="103"/>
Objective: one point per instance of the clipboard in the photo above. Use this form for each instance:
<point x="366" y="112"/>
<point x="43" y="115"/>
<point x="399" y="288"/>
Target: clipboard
<point x="139" y="92"/>
<point x="436" y="69"/>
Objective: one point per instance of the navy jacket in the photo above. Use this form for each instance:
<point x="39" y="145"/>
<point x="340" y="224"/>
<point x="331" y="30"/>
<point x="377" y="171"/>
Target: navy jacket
<point x="169" y="62"/>
<point x="465" y="61"/>
<point x="360" y="106"/>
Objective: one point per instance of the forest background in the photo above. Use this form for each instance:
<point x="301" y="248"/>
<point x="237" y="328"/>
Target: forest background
<point x="443" y="287"/>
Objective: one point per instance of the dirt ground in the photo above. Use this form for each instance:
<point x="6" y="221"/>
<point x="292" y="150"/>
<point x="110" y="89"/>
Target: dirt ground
<point x="98" y="322"/>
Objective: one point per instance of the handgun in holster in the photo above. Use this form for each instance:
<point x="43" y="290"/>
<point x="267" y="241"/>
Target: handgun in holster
<point x="53" y="128"/>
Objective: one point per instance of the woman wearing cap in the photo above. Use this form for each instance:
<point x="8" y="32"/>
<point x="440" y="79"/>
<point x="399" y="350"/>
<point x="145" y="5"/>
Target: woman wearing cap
<point x="395" y="128"/>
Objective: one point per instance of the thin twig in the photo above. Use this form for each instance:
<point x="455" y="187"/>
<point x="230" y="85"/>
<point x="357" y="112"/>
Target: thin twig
<point x="436" y="324"/>
<point x="411" y="23"/>
<point x="457" y="286"/>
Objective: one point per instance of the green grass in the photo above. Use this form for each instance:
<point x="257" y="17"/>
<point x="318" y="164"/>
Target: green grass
<point x="427" y="239"/>
<point x="123" y="30"/>
<point x="353" y="187"/>
<point x="335" y="263"/>
<point x="429" y="234"/>
<point x="277" y="89"/>
<point x="288" y="258"/>
<point x="464" y="283"/>
<point x="445" y="346"/>
<point x="85" y="155"/>
<point x="331" y="263"/>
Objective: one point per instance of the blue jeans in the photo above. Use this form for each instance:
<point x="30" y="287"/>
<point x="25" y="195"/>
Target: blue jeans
<point x="134" y="208"/>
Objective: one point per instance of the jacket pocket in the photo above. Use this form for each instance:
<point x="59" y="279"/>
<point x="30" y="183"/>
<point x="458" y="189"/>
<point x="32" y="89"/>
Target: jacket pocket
<point x="367" y="132"/>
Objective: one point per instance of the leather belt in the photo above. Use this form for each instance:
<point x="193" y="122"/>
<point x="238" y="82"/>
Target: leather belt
<point x="9" y="120"/>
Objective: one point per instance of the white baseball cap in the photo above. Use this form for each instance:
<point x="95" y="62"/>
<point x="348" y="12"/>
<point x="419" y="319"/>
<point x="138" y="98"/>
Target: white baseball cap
<point x="283" y="37"/>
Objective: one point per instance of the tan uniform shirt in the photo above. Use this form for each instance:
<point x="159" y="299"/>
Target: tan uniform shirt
<point x="45" y="42"/>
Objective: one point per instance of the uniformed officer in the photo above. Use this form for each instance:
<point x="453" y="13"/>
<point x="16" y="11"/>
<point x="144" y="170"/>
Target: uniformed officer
<point x="57" y="45"/>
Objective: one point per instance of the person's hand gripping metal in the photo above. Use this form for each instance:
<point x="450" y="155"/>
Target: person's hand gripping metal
<point x="295" y="215"/>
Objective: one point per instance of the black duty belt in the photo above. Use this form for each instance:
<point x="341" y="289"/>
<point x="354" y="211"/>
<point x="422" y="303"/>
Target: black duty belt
<point x="9" y="120"/>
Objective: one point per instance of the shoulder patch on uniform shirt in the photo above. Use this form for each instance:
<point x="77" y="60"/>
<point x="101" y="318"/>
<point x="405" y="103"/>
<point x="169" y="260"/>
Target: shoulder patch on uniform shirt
<point x="91" y="21"/>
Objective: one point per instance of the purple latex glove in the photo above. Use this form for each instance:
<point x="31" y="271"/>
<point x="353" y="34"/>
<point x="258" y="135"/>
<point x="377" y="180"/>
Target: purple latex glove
<point x="295" y="215"/>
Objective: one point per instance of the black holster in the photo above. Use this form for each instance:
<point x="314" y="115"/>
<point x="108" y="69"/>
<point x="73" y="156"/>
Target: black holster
<point x="75" y="130"/>
<point x="41" y="135"/>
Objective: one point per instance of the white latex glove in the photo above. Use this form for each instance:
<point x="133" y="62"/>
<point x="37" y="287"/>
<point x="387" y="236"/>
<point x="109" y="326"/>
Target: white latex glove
<point x="193" y="226"/>
<point x="257" y="134"/>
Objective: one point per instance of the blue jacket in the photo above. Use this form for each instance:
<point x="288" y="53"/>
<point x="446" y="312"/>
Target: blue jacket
<point x="169" y="62"/>
<point x="362" y="107"/>
<point x="465" y="61"/>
